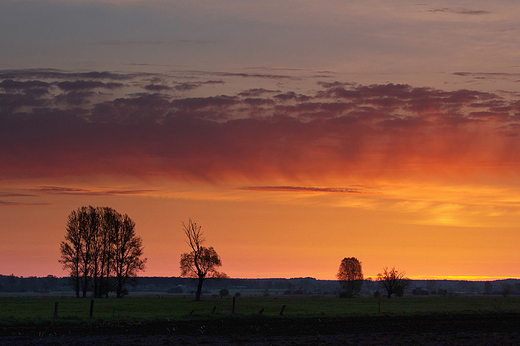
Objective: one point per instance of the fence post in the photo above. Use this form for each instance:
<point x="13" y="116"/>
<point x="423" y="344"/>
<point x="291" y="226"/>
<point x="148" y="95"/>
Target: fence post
<point x="233" y="309"/>
<point x="56" y="310"/>
<point x="281" y="311"/>
<point x="91" y="308"/>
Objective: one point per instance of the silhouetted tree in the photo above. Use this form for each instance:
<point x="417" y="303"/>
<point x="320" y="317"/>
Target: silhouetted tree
<point x="127" y="254"/>
<point x="202" y="262"/>
<point x="71" y="250"/>
<point x="393" y="282"/>
<point x="99" y="243"/>
<point x="77" y="251"/>
<point x="350" y="276"/>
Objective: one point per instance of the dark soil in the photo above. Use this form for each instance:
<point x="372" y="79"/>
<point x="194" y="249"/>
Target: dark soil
<point x="470" y="329"/>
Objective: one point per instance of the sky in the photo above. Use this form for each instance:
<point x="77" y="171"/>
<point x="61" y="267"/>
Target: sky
<point x="294" y="132"/>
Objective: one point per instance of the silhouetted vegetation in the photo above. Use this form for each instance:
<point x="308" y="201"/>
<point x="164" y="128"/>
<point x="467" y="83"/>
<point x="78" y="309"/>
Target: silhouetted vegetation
<point x="393" y="282"/>
<point x="350" y="276"/>
<point x="202" y="262"/>
<point x="252" y="287"/>
<point x="101" y="251"/>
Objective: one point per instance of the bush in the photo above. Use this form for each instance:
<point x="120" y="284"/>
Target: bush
<point x="223" y="293"/>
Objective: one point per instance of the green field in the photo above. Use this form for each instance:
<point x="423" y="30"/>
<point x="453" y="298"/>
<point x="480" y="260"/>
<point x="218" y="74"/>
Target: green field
<point x="30" y="310"/>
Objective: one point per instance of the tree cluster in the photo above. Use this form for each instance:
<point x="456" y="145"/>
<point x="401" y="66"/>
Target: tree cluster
<point x="101" y="251"/>
<point x="350" y="277"/>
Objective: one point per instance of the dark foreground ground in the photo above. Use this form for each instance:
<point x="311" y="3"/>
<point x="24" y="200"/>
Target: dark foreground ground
<point x="470" y="329"/>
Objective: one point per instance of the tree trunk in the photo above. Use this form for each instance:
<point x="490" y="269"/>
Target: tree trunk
<point x="199" y="288"/>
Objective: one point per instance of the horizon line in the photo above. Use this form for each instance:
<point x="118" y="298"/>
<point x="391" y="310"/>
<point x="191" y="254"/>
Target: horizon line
<point x="372" y="278"/>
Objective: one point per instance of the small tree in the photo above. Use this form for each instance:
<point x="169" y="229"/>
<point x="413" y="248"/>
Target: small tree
<point x="350" y="276"/>
<point x="202" y="262"/>
<point x="393" y="282"/>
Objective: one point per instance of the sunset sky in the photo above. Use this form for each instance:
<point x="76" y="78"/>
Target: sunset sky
<point x="295" y="132"/>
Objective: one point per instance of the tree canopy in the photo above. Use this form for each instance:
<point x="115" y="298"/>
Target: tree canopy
<point x="350" y="276"/>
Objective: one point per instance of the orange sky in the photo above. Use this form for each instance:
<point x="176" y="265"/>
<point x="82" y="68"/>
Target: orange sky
<point x="294" y="135"/>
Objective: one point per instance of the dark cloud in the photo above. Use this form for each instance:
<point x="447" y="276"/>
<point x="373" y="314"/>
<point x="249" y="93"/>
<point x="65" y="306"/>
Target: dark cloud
<point x="157" y="87"/>
<point x="292" y="96"/>
<point x="12" y="85"/>
<point x="196" y="103"/>
<point x="258" y="101"/>
<point x="459" y="10"/>
<point x="244" y="75"/>
<point x="80" y="85"/>
<point x="187" y="86"/>
<point x="256" y="92"/>
<point x="59" y="74"/>
<point x="341" y="130"/>
<point x="75" y="98"/>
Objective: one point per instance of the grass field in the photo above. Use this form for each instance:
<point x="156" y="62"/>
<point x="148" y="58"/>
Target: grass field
<point x="25" y="310"/>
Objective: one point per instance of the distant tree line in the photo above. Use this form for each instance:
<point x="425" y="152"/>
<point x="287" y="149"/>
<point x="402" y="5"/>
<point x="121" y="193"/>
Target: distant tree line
<point x="101" y="251"/>
<point x="295" y="286"/>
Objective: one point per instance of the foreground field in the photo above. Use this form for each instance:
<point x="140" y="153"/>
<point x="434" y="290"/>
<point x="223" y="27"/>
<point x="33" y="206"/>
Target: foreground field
<point x="16" y="310"/>
<point x="305" y="321"/>
<point x="464" y="329"/>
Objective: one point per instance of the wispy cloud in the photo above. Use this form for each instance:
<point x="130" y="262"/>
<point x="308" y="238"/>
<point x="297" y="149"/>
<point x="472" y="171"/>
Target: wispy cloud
<point x="156" y="42"/>
<point x="14" y="194"/>
<point x="60" y="190"/>
<point x="306" y="189"/>
<point x="459" y="10"/>
<point x="20" y="204"/>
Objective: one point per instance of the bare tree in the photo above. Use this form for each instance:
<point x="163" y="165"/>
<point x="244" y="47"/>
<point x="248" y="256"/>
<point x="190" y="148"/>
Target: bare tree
<point x="393" y="281"/>
<point x="350" y="276"/>
<point x="202" y="262"/>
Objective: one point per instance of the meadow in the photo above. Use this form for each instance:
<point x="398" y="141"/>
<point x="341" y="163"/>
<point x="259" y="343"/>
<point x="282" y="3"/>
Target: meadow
<point x="32" y="310"/>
